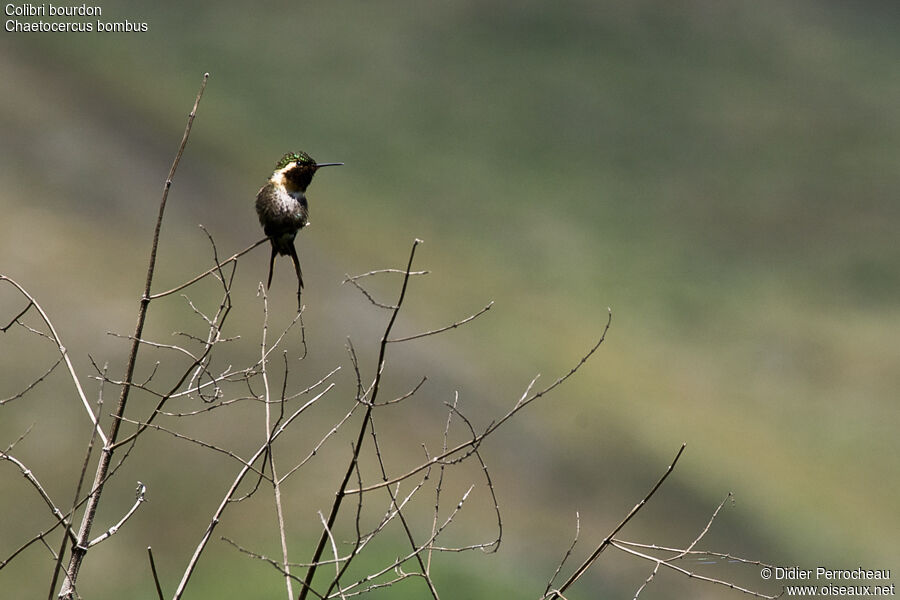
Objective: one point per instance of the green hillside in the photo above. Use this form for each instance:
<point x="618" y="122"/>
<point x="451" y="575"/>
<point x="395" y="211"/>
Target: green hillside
<point x="723" y="176"/>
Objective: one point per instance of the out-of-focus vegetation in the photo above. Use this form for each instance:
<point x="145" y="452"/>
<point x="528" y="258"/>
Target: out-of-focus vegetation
<point x="723" y="175"/>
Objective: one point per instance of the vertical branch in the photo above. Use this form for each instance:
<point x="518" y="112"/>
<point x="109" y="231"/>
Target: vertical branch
<point x="370" y="404"/>
<point x="84" y="466"/>
<point x="267" y="401"/>
<point x="80" y="548"/>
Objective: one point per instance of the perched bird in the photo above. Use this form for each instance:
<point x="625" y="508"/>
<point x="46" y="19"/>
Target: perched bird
<point x="282" y="207"/>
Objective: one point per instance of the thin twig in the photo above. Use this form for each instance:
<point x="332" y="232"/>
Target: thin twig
<point x="337" y="560"/>
<point x="139" y="499"/>
<point x="29" y="475"/>
<point x="62" y="351"/>
<point x="369" y="296"/>
<point x="379" y="271"/>
<point x="16" y="318"/>
<point x="354" y="280"/>
<point x="494" y="545"/>
<point x="715" y="514"/>
<point x="209" y="271"/>
<point x="320" y="443"/>
<point x="699" y="553"/>
<point x="276" y="487"/>
<point x="690" y="574"/>
<point x="608" y="539"/>
<point x="566" y="556"/>
<point x="198" y="442"/>
<point x="443" y="329"/>
<point x="159" y="592"/>
<point x="408" y="394"/>
<point x="647" y="581"/>
<point x="33" y="384"/>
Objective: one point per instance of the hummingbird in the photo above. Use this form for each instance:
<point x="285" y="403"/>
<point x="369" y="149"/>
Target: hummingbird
<point x="282" y="207"/>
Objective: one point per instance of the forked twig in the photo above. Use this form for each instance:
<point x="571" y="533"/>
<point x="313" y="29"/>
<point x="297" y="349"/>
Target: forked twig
<point x="690" y="574"/>
<point x="680" y="553"/>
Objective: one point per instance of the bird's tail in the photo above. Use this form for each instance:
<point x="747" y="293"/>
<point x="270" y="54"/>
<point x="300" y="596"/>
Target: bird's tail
<point x="299" y="276"/>
<point x="293" y="253"/>
<point x="271" y="265"/>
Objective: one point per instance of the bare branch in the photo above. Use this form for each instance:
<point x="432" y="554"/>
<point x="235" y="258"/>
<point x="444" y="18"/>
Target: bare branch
<point x="495" y="544"/>
<point x="16" y="318"/>
<point x="84" y="466"/>
<point x="566" y="556"/>
<point x="368" y="295"/>
<point x="321" y="442"/>
<point x="678" y="554"/>
<point x="408" y="394"/>
<point x="26" y="472"/>
<point x="647" y="581"/>
<point x="698" y="553"/>
<point x="139" y="498"/>
<point x="80" y="548"/>
<point x="379" y="271"/>
<point x="216" y="268"/>
<point x="337" y="560"/>
<point x="355" y="281"/>
<point x="447" y="328"/>
<point x="159" y="592"/>
<point x="715" y="514"/>
<point x="33" y="384"/>
<point x="608" y="539"/>
<point x="198" y="442"/>
<point x="690" y="574"/>
<point x="276" y="487"/>
<point x="61" y="348"/>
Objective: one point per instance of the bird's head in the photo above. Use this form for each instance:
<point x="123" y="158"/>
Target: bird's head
<point x="296" y="170"/>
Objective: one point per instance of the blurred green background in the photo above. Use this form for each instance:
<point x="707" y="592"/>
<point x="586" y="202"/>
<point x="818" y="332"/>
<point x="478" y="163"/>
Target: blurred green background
<point x="723" y="175"/>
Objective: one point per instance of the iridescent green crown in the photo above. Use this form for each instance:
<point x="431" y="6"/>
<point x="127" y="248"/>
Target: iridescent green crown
<point x="297" y="157"/>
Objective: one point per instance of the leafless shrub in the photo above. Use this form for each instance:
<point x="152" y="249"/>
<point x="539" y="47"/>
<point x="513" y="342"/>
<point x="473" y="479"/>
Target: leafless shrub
<point x="357" y="497"/>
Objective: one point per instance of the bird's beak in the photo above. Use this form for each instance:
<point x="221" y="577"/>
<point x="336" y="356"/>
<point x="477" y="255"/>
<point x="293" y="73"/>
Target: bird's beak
<point x="328" y="165"/>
